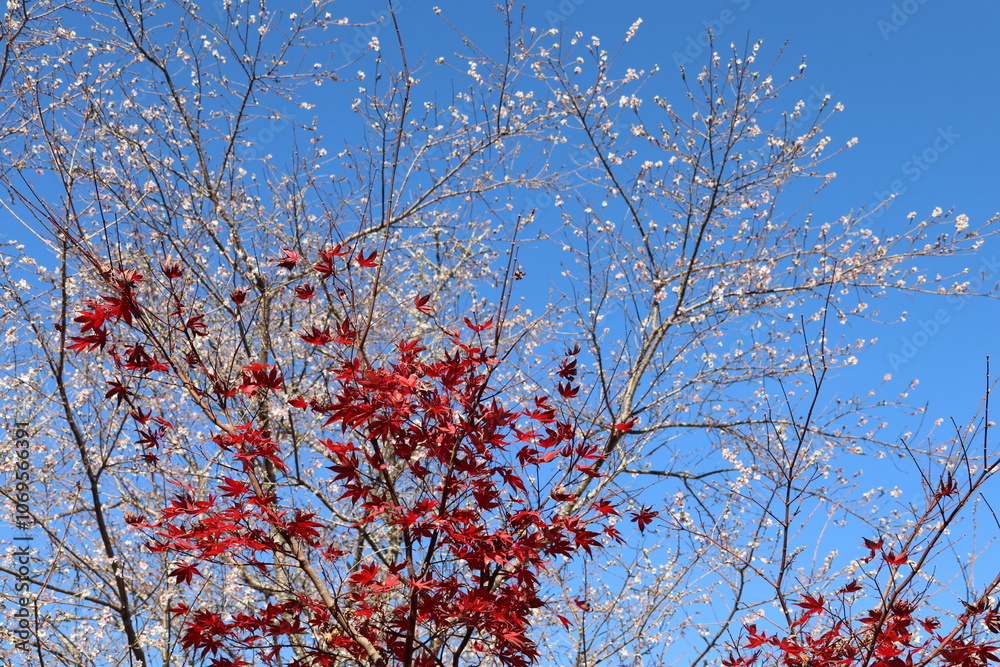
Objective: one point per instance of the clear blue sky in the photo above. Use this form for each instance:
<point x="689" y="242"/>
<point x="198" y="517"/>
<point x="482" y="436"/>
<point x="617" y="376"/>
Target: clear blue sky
<point x="919" y="82"/>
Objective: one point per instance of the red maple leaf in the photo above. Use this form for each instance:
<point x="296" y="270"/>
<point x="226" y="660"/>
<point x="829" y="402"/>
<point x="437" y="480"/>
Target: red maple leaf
<point x="873" y="547"/>
<point x="852" y="587"/>
<point x="179" y="610"/>
<point x="305" y="292"/>
<point x="173" y="270"/>
<point x="317" y="337"/>
<point x="325" y="266"/>
<point x="163" y="422"/>
<point x="947" y="487"/>
<point x="892" y="559"/>
<point x="135" y="519"/>
<point x="122" y="308"/>
<point x="644" y="517"/>
<point x="345" y="333"/>
<point x="303" y="527"/>
<point x="605" y="508"/>
<point x="478" y="327"/>
<point x="368" y="261"/>
<point x="813" y="607"/>
<point x="92" y="319"/>
<point x="738" y="661"/>
<point x="626" y="425"/>
<point x="991" y="620"/>
<point x="547" y="457"/>
<point x="931" y="624"/>
<point x="150" y="439"/>
<point x="94" y="341"/>
<point x="568" y="390"/>
<point x="184" y="572"/>
<point x="365" y="575"/>
<point x="567" y="369"/>
<point x="288" y="260"/>
<point x="257" y="376"/>
<point x="755" y="638"/>
<point x="118" y="391"/>
<point x="420" y="303"/>
<point x="195" y="325"/>
<point x="233" y="488"/>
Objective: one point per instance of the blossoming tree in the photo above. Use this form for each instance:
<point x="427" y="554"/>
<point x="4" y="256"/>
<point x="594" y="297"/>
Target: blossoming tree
<point x="296" y="370"/>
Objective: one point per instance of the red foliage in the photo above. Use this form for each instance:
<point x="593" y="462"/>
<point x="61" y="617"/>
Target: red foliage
<point x="317" y="337"/>
<point x="644" y="517"/>
<point x="367" y="261"/>
<point x="288" y="259"/>
<point x="884" y="636"/>
<point x="421" y="304"/>
<point x="305" y="292"/>
<point x="420" y="446"/>
<point x="173" y="270"/>
<point x="324" y="267"/>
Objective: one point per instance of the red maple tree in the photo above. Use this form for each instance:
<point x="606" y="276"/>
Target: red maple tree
<point x="420" y="446"/>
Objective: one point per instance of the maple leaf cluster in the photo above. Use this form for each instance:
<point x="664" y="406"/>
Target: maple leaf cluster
<point x="889" y="635"/>
<point x="419" y="445"/>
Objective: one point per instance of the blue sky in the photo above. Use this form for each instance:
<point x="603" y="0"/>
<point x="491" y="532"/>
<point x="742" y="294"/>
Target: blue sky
<point x="918" y="79"/>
